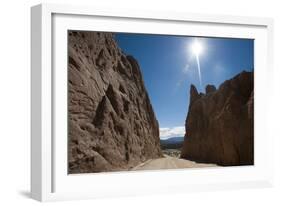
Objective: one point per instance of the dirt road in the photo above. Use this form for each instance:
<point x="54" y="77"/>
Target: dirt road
<point x="168" y="162"/>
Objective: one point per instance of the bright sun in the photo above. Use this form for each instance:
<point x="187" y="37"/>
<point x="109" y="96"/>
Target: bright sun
<point x="197" y="48"/>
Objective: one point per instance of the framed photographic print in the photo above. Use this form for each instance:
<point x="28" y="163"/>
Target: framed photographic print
<point x="135" y="102"/>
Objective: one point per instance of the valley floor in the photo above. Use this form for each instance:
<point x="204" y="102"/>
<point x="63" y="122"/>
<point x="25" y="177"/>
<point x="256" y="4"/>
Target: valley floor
<point x="168" y="162"/>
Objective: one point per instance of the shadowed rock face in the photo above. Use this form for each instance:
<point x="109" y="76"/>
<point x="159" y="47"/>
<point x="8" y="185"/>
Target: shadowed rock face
<point x="111" y="123"/>
<point x="220" y="123"/>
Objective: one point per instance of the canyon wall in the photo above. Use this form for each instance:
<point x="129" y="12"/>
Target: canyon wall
<point x="111" y="123"/>
<point x="220" y="123"/>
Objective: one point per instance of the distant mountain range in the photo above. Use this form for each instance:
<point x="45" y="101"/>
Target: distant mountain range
<point x="172" y="143"/>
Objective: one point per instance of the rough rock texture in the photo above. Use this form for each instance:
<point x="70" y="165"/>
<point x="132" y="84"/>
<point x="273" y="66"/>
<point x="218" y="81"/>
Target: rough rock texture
<point x="111" y="123"/>
<point x="210" y="88"/>
<point x="220" y="123"/>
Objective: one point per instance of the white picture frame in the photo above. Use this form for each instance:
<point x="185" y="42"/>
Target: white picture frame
<point x="49" y="181"/>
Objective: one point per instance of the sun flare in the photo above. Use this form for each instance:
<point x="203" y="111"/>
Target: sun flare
<point x="197" y="48"/>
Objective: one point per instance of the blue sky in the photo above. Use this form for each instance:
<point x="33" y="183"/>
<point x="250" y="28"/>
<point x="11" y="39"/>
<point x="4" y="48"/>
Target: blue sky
<point x="169" y="67"/>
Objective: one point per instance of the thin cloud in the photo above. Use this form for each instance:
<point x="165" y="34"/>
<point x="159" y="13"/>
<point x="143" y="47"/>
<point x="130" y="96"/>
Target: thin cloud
<point x="218" y="67"/>
<point x="186" y="69"/>
<point x="168" y="132"/>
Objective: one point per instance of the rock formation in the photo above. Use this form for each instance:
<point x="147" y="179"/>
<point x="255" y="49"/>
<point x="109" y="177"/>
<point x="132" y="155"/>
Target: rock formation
<point x="220" y="123"/>
<point x="111" y="123"/>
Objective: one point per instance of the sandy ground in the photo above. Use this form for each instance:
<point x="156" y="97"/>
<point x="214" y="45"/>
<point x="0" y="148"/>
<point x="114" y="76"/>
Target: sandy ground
<point x="169" y="162"/>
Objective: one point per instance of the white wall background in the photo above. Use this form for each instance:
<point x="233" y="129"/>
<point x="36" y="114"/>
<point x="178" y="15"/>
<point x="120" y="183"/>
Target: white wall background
<point x="15" y="102"/>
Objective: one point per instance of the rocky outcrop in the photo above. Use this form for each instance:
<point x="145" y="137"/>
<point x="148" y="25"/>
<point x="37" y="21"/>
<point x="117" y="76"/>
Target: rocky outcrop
<point x="220" y="123"/>
<point x="210" y="88"/>
<point x="111" y="123"/>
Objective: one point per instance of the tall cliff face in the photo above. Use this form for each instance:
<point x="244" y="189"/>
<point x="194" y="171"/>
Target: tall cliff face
<point x="220" y="123"/>
<point x="111" y="123"/>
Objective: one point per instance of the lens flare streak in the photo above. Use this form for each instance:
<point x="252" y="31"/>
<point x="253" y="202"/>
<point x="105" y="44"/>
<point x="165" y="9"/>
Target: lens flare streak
<point x="199" y="69"/>
<point x="197" y="49"/>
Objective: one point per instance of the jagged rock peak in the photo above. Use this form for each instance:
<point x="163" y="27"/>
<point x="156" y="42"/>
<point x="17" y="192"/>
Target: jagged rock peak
<point x="194" y="95"/>
<point x="220" y="125"/>
<point x="210" y="89"/>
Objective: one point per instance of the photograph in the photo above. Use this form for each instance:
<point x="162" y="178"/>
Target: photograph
<point x="139" y="101"/>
